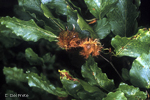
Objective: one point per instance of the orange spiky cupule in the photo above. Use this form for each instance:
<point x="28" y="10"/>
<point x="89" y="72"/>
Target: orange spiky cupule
<point x="90" y="46"/>
<point x="68" y="39"/>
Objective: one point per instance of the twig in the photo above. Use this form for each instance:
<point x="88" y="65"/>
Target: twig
<point x="113" y="67"/>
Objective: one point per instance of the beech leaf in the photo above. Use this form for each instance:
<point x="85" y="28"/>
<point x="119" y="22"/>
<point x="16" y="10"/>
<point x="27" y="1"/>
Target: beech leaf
<point x="131" y="92"/>
<point x="140" y="71"/>
<point x="123" y="18"/>
<point x="93" y="74"/>
<point x="41" y="82"/>
<point x="28" y="30"/>
<point x="99" y="8"/>
<point x="132" y="46"/>
<point x="32" y="57"/>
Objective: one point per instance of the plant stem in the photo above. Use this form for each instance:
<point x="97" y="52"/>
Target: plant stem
<point x="113" y="67"/>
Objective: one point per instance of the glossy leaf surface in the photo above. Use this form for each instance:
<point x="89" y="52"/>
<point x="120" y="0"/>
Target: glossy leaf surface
<point x="102" y="28"/>
<point x="41" y="82"/>
<point x="28" y="30"/>
<point x="72" y="22"/>
<point x="15" y="74"/>
<point x="123" y="18"/>
<point x="131" y="92"/>
<point x="99" y="8"/>
<point x="84" y="26"/>
<point x="140" y="71"/>
<point x="60" y="6"/>
<point x="32" y="57"/>
<point x="115" y="96"/>
<point x="80" y="89"/>
<point x="93" y="74"/>
<point x="133" y="46"/>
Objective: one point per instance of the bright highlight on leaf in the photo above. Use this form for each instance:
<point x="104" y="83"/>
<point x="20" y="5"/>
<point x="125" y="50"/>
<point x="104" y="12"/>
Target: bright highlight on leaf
<point x="131" y="92"/>
<point x="85" y="26"/>
<point x="28" y="30"/>
<point x="99" y="8"/>
<point x="115" y="96"/>
<point x="15" y="74"/>
<point x="132" y="46"/>
<point x="140" y="71"/>
<point x="60" y="6"/>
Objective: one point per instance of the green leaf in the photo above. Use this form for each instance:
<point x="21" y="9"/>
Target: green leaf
<point x="46" y="11"/>
<point x="49" y="15"/>
<point x="143" y="36"/>
<point x="115" y="96"/>
<point x="102" y="28"/>
<point x="49" y="65"/>
<point x="80" y="89"/>
<point x="32" y="57"/>
<point x="31" y="4"/>
<point x="71" y="87"/>
<point x="131" y="46"/>
<point x="33" y="9"/>
<point x="88" y="87"/>
<point x="49" y="59"/>
<point x="125" y="74"/>
<point x="140" y="71"/>
<point x="84" y="26"/>
<point x="84" y="95"/>
<point x="137" y="3"/>
<point x="41" y="82"/>
<point x="53" y="30"/>
<point x="6" y="32"/>
<point x="93" y="74"/>
<point x="15" y="74"/>
<point x="132" y="93"/>
<point x="123" y="18"/>
<point x="21" y="13"/>
<point x="94" y="92"/>
<point x="72" y="20"/>
<point x="60" y="6"/>
<point x="73" y="6"/>
<point x="7" y="38"/>
<point x="28" y="30"/>
<point x="99" y="8"/>
<point x="9" y="42"/>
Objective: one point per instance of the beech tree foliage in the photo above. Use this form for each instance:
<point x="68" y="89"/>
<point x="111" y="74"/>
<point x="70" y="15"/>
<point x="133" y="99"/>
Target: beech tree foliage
<point x="75" y="50"/>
